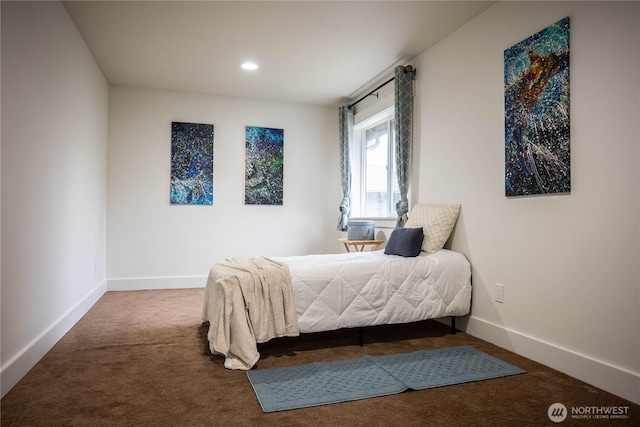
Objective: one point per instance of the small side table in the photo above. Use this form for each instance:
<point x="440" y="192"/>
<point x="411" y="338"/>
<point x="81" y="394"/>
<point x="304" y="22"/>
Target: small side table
<point x="358" y="245"/>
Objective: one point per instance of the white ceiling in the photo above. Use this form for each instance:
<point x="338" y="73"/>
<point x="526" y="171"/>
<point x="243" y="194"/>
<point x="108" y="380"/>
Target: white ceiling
<point x="312" y="52"/>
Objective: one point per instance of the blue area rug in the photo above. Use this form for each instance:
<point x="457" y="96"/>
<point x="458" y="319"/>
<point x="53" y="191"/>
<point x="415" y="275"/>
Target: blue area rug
<point x="322" y="383"/>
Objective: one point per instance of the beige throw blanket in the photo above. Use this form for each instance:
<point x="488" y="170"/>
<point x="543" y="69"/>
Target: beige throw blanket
<point x="248" y="301"/>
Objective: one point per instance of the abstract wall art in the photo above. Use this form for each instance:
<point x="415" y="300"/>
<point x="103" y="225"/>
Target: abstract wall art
<point x="191" y="164"/>
<point x="264" y="165"/>
<point x="537" y="125"/>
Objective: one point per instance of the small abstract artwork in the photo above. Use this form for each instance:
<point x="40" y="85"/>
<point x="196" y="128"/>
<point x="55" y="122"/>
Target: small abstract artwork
<point x="264" y="165"/>
<point x="191" y="164"/>
<point x="537" y="125"/>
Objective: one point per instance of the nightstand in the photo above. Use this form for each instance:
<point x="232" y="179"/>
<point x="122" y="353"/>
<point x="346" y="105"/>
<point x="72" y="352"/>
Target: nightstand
<point x="358" y="245"/>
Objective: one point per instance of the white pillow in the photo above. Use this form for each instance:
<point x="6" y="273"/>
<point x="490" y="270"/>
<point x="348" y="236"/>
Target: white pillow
<point x="437" y="222"/>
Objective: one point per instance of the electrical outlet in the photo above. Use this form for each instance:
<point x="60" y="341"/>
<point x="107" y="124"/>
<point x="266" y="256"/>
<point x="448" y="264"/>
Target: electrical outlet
<point x="499" y="295"/>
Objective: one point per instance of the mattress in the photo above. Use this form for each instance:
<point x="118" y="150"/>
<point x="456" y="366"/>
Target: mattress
<point x="358" y="289"/>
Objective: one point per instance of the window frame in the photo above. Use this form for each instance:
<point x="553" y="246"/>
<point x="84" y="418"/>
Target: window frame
<point x="359" y="153"/>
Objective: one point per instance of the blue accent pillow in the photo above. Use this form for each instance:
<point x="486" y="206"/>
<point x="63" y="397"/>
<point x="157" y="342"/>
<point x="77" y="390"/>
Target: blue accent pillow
<point x="406" y="242"/>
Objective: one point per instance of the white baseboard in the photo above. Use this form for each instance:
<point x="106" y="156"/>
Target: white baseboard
<point x="16" y="368"/>
<point x="148" y="283"/>
<point x="615" y="380"/>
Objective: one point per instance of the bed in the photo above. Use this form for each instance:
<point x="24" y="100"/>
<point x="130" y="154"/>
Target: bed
<point x="248" y="301"/>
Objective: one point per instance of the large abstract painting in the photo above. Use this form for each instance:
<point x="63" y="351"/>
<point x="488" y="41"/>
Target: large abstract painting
<point x="191" y="163"/>
<point x="264" y="165"/>
<point x="537" y="128"/>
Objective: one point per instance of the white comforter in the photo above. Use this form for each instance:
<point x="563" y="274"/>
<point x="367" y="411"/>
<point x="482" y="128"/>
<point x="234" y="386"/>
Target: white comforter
<point x="360" y="289"/>
<point x="370" y="288"/>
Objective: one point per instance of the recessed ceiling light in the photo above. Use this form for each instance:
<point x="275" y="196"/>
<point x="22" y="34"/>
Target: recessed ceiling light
<point x="249" y="66"/>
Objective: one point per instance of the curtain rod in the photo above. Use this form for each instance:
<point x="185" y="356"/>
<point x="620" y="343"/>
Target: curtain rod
<point x="407" y="69"/>
<point x="372" y="92"/>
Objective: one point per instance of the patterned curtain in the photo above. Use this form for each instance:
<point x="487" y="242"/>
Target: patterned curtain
<point x="345" y="124"/>
<point x="404" y="124"/>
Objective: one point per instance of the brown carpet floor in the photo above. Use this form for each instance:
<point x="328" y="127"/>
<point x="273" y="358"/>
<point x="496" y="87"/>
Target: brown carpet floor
<point x="141" y="359"/>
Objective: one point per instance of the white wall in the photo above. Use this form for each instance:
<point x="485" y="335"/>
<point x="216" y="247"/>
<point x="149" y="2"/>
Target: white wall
<point x="569" y="262"/>
<point x="54" y="151"/>
<point x="153" y="244"/>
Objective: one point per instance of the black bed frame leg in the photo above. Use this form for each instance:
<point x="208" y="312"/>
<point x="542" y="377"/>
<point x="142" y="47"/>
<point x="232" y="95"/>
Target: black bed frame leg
<point x="453" y="325"/>
<point x="361" y="336"/>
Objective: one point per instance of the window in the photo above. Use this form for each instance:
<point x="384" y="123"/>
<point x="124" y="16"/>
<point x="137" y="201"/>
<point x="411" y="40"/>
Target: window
<point x="375" y="185"/>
